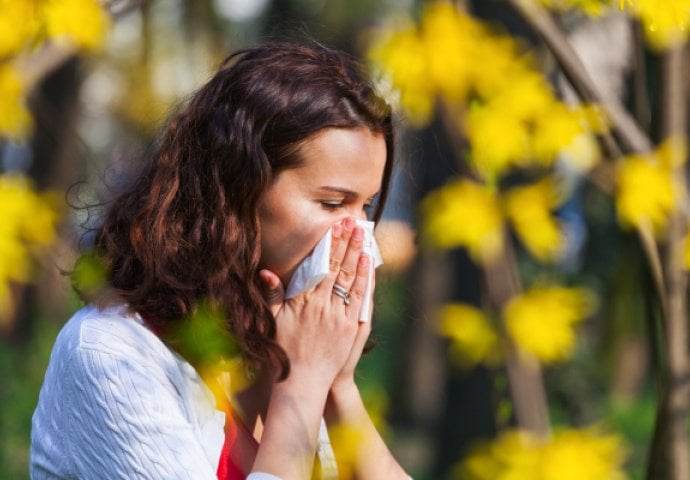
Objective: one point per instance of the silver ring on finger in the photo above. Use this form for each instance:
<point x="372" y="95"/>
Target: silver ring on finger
<point x="342" y="293"/>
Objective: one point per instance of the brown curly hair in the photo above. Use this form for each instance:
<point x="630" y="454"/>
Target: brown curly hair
<point x="188" y="230"/>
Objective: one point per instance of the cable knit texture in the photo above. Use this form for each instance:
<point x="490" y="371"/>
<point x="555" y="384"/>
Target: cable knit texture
<point x="116" y="403"/>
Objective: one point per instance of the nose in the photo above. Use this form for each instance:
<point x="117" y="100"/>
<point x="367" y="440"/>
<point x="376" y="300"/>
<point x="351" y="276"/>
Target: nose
<point x="357" y="213"/>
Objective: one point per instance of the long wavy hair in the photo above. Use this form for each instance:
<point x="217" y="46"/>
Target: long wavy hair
<point x="187" y="230"/>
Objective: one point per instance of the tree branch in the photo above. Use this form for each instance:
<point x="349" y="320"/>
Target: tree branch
<point x="670" y="457"/>
<point x="537" y="17"/>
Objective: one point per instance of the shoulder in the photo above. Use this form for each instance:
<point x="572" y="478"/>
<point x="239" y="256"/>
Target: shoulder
<point x="109" y="354"/>
<point x="113" y="330"/>
<point x="115" y="396"/>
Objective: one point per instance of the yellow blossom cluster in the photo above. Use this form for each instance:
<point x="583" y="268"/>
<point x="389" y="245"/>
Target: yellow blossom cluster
<point x="511" y="115"/>
<point x="349" y="438"/>
<point x="572" y="454"/>
<point x="646" y="191"/>
<point x="473" y="338"/>
<point x="226" y="378"/>
<point x="24" y="26"/>
<point x="15" y="120"/>
<point x="529" y="209"/>
<point x="468" y="214"/>
<point x="28" y="224"/>
<point x="542" y="320"/>
<point x="666" y="23"/>
<point x="464" y="214"/>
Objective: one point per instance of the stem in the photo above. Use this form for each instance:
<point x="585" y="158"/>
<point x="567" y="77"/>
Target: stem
<point x="656" y="269"/>
<point x="670" y="445"/>
<point x="524" y="371"/>
<point x="538" y="18"/>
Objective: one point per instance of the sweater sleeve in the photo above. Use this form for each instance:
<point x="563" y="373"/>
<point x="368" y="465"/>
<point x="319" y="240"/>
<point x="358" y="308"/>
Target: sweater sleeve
<point x="125" y="421"/>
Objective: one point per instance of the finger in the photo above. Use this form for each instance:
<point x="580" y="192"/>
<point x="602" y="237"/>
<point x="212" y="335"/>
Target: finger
<point x="348" y="269"/>
<point x="363" y="332"/>
<point x="339" y="246"/>
<point x="372" y="279"/>
<point x="274" y="293"/>
<point x="359" y="285"/>
<point x="336" y="240"/>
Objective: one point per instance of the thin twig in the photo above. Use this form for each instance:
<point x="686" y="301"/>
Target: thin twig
<point x="649" y="246"/>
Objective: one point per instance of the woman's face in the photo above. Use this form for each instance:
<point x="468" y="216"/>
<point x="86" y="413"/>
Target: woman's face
<point x="340" y="173"/>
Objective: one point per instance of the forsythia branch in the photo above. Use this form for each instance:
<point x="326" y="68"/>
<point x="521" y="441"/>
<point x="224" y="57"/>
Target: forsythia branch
<point x="538" y="18"/>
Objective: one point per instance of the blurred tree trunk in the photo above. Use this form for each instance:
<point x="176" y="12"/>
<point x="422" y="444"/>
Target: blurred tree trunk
<point x="55" y="165"/>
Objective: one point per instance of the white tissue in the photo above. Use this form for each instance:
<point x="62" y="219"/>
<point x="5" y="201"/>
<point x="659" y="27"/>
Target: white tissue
<point x="315" y="267"/>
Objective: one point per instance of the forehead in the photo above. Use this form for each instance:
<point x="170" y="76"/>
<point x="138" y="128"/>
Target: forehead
<point x="344" y="157"/>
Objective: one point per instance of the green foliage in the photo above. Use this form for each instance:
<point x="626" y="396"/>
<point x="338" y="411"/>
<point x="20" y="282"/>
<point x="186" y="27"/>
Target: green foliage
<point x="22" y="368"/>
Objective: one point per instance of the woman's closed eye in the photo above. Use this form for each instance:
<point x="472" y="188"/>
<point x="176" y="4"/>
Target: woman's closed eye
<point x="332" y="204"/>
<point x="335" y="205"/>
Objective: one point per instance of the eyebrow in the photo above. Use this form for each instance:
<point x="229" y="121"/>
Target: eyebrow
<point x="345" y="191"/>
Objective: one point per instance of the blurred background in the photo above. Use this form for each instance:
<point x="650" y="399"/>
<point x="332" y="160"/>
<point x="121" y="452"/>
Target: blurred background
<point x="522" y="319"/>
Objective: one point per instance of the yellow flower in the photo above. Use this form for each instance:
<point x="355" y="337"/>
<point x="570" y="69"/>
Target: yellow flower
<point x="521" y="124"/>
<point x="498" y="139"/>
<point x="83" y="22"/>
<point x="529" y="209"/>
<point x="541" y="321"/>
<point x="402" y="57"/>
<point x="464" y="214"/>
<point x="348" y="442"/>
<point x="665" y="23"/>
<point x="514" y="455"/>
<point x="20" y="236"/>
<point x="449" y="38"/>
<point x="15" y="120"/>
<point x="570" y="454"/>
<point x="577" y="454"/>
<point x="473" y="339"/>
<point x="646" y="191"/>
<point x="555" y="129"/>
<point x="19" y="22"/>
<point x="512" y="119"/>
<point x="225" y="378"/>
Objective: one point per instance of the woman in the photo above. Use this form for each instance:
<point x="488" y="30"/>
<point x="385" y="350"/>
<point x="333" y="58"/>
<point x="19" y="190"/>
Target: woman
<point x="282" y="145"/>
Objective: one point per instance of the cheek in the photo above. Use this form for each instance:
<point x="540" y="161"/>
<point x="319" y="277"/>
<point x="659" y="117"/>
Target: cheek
<point x="289" y="237"/>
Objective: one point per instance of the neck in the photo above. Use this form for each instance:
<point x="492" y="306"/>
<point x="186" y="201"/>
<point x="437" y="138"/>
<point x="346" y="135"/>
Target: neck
<point x="252" y="403"/>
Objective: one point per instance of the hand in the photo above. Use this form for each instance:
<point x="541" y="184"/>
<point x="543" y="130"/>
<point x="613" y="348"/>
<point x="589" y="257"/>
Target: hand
<point x="317" y="330"/>
<point x="345" y="377"/>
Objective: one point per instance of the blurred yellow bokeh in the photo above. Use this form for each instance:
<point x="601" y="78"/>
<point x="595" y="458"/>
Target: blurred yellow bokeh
<point x="473" y="338"/>
<point x="571" y="454"/>
<point x="542" y="320"/>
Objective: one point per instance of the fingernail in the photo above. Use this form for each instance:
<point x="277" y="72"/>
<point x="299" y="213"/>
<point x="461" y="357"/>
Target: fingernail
<point x="358" y="234"/>
<point x="363" y="260"/>
<point x="337" y="231"/>
<point x="349" y="224"/>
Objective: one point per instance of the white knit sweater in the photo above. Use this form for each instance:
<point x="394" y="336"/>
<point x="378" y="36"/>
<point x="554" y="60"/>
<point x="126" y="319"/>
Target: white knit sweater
<point x="116" y="403"/>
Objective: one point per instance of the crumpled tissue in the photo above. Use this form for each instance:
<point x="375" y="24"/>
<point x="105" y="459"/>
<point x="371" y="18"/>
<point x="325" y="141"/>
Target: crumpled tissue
<point x="316" y="266"/>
